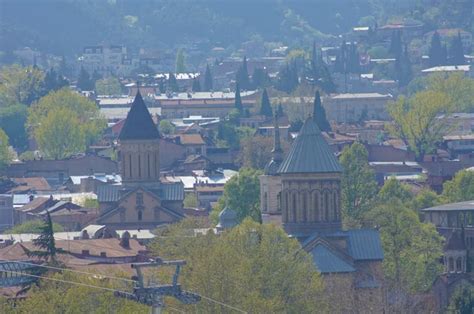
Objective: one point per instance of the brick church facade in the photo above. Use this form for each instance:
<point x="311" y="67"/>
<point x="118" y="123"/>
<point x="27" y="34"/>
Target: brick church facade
<point x="303" y="191"/>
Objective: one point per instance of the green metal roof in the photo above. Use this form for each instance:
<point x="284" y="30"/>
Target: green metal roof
<point x="139" y="125"/>
<point x="365" y="244"/>
<point x="310" y="153"/>
<point x="328" y="262"/>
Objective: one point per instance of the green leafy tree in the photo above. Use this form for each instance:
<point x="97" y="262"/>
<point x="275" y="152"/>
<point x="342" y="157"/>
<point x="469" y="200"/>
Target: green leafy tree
<point x="437" y="54"/>
<point x="460" y="188"/>
<point x="84" y="81"/>
<point x="55" y="297"/>
<point x="45" y="242"/>
<point x="254" y="267"/>
<point x="20" y="85"/>
<point x="32" y="226"/>
<point x="319" y="114"/>
<point x="287" y="79"/>
<point x="412" y="249"/>
<point x="457" y="51"/>
<point x="5" y="154"/>
<point x="242" y="194"/>
<point x="60" y="134"/>
<point x="425" y="198"/>
<point x="166" y="127"/>
<point x="393" y="189"/>
<point x="12" y="121"/>
<point x="108" y="86"/>
<point x="180" y="61"/>
<point x="208" y="82"/>
<point x="265" y="105"/>
<point x="462" y="300"/>
<point x="191" y="201"/>
<point x="256" y="151"/>
<point x="85" y="111"/>
<point x="416" y="122"/>
<point x="359" y="187"/>
<point x="458" y="88"/>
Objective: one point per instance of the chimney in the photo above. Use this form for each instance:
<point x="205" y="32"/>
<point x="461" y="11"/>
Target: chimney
<point x="85" y="235"/>
<point x="125" y="240"/>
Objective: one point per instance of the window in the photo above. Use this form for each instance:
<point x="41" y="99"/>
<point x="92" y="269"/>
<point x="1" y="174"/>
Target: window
<point x="140" y="215"/>
<point x="139" y="198"/>
<point x="459" y="264"/>
<point x="450" y="264"/>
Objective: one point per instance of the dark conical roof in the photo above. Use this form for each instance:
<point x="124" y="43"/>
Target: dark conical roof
<point x="139" y="125"/>
<point x="310" y="153"/>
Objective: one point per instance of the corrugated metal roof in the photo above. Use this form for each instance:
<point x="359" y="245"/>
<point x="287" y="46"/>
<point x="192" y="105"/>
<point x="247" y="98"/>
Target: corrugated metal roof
<point x="328" y="262"/>
<point x="365" y="244"/>
<point x="108" y="193"/>
<point x="310" y="153"/>
<point x="172" y="191"/>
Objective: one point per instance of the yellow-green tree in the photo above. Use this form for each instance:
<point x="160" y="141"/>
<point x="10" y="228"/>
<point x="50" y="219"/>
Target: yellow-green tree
<point x="5" y="154"/>
<point x="20" y="85"/>
<point x="254" y="267"/>
<point x="52" y="297"/>
<point x="416" y="120"/>
<point x="108" y="86"/>
<point x="411" y="248"/>
<point x="60" y="134"/>
<point x="460" y="188"/>
<point x="458" y="88"/>
<point x="82" y="113"/>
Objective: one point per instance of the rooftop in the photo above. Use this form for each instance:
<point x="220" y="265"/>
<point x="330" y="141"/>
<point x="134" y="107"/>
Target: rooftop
<point x="461" y="206"/>
<point x="361" y="96"/>
<point x="310" y="153"/>
<point x="139" y="124"/>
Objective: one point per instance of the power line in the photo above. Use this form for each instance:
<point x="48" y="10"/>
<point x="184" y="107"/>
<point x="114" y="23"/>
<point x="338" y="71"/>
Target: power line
<point x="66" y="281"/>
<point x="223" y="304"/>
<point x="75" y="271"/>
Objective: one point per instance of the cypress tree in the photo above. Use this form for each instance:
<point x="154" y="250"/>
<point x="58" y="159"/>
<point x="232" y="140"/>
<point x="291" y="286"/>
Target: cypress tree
<point x="180" y="61"/>
<point x="238" y="101"/>
<point x="319" y="114"/>
<point x="208" y="79"/>
<point x="396" y="43"/>
<point x="45" y="242"/>
<point x="456" y="51"/>
<point x="266" y="106"/>
<point x="436" y="52"/>
<point x="84" y="81"/>
<point x="196" y="85"/>
<point x="172" y="83"/>
<point x="242" y="76"/>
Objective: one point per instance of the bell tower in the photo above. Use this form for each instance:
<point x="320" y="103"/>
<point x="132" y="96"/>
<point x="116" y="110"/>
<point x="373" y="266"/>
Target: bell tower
<point x="139" y="148"/>
<point x="311" y="185"/>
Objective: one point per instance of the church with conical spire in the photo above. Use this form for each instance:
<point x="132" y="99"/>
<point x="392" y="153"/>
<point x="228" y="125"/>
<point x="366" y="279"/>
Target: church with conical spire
<point x="142" y="201"/>
<point x="303" y="192"/>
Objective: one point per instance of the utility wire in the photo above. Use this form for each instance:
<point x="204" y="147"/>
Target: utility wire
<point x="75" y="271"/>
<point x="66" y="281"/>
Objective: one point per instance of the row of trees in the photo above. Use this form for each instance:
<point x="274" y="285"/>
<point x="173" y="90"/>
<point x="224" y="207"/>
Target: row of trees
<point x="438" y="52"/>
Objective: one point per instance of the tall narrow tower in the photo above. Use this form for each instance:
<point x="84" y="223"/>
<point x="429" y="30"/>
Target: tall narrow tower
<point x="139" y="148"/>
<point x="311" y="184"/>
<point x="270" y="182"/>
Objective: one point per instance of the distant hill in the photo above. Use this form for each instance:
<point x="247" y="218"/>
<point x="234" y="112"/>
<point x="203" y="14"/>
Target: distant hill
<point x="64" y="27"/>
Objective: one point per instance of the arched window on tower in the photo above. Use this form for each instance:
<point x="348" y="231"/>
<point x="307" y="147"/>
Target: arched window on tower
<point x="326" y="205"/>
<point x="140" y="215"/>
<point x="293" y="209"/>
<point x="451" y="264"/>
<point x="316" y="206"/>
<point x="459" y="265"/>
<point x="305" y="206"/>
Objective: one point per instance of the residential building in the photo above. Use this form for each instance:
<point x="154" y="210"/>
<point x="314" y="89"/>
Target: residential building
<point x="352" y="108"/>
<point x="206" y="104"/>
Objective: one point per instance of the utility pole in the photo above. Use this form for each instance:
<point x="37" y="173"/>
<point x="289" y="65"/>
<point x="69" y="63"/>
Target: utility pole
<point x="153" y="295"/>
